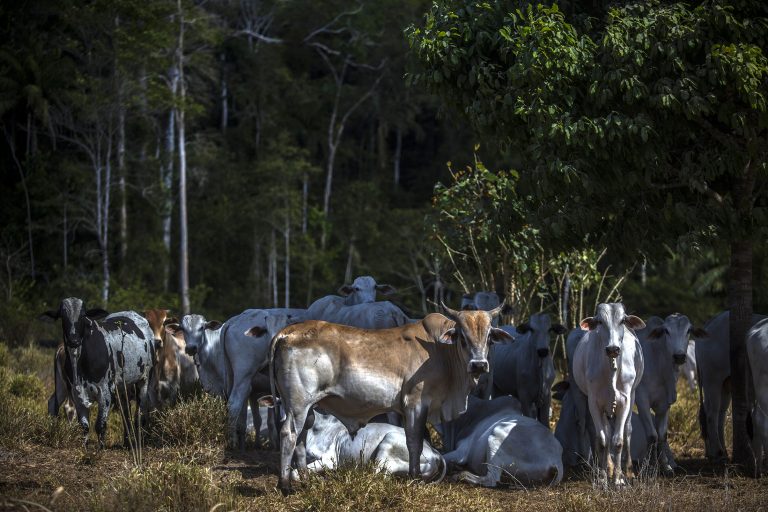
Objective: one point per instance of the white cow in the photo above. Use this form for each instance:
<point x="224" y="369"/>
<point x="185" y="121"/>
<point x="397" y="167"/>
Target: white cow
<point x="607" y="367"/>
<point x="714" y="368"/>
<point x="757" y="352"/>
<point x="524" y="368"/>
<point x="494" y="439"/>
<point x="230" y="362"/>
<point x="665" y="345"/>
<point x="329" y="445"/>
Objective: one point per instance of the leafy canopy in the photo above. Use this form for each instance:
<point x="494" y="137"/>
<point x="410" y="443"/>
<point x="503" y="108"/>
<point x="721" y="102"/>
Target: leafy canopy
<point x="634" y="121"/>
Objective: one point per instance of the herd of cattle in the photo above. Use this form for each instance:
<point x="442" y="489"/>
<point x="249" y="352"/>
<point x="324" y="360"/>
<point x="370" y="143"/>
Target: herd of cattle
<point x="318" y="376"/>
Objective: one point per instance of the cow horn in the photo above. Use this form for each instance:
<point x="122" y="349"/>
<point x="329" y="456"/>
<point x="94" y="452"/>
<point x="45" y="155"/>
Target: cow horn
<point x="495" y="311"/>
<point x="450" y="313"/>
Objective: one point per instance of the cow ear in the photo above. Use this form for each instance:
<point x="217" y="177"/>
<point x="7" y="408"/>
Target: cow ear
<point x="172" y="329"/>
<point x="507" y="310"/>
<point x="558" y="329"/>
<point x="96" y="313"/>
<point x="523" y="328"/>
<point x="699" y="332"/>
<point x="656" y="333"/>
<point x="634" y="322"/>
<point x="500" y="336"/>
<point x="51" y="314"/>
<point x="256" y="331"/>
<point x="588" y="323"/>
<point x="559" y="389"/>
<point x="447" y="336"/>
<point x="171" y="320"/>
<point x="346" y="290"/>
<point x="213" y="325"/>
<point x="385" y="289"/>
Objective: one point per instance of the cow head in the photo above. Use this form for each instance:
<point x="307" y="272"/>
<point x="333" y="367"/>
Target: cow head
<point x="193" y="328"/>
<point x="675" y="332"/>
<point x="268" y="325"/>
<point x="472" y="334"/>
<point x="75" y="320"/>
<point x="610" y="323"/>
<point x="157" y="319"/>
<point x="540" y="327"/>
<point x="363" y="290"/>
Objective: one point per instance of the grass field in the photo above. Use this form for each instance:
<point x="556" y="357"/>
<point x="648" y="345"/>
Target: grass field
<point x="184" y="467"/>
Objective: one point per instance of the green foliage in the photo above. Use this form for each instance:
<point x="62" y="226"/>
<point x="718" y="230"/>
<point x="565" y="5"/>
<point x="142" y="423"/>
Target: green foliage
<point x="648" y="106"/>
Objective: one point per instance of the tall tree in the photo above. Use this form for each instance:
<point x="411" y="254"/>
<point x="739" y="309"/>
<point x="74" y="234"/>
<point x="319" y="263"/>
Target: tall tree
<point x="637" y="122"/>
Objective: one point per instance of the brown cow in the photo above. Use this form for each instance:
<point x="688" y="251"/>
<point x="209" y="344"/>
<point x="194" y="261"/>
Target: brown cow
<point x="62" y="381"/>
<point x="423" y="370"/>
<point x="174" y="371"/>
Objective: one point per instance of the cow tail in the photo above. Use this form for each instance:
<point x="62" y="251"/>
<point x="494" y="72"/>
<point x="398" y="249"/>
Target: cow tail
<point x="272" y="375"/>
<point x="702" y="411"/>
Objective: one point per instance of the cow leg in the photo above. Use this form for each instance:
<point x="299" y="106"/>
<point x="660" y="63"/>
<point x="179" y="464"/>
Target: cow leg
<point x="544" y="409"/>
<point x="760" y="437"/>
<point x="712" y="401"/>
<point x="253" y="401"/>
<point x="585" y="431"/>
<point x="236" y="407"/>
<point x="273" y="427"/>
<point x="722" y="453"/>
<point x="646" y="418"/>
<point x="293" y="425"/>
<point x="665" y="453"/>
<point x="105" y="404"/>
<point x="82" y="417"/>
<point x="415" y="426"/>
<point x="626" y="466"/>
<point x="300" y="452"/>
<point x="617" y="442"/>
<point x="142" y="407"/>
<point x="600" y="443"/>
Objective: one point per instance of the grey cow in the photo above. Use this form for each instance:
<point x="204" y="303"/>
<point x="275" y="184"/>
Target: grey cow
<point x="357" y="306"/>
<point x="108" y="357"/>
<point x="665" y="346"/>
<point x="230" y="362"/>
<point x="757" y="352"/>
<point x="713" y="361"/>
<point x="524" y="368"/>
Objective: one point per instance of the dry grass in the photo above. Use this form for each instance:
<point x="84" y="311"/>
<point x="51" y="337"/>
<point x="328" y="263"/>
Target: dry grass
<point x="186" y="468"/>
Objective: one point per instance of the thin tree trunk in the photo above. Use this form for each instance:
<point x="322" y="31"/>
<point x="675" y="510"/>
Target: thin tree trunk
<point x="223" y="95"/>
<point x="350" y="253"/>
<point x="10" y="139"/>
<point x="166" y="181"/>
<point x="304" y="202"/>
<point x="273" y="265"/>
<point x="121" y="185"/>
<point x="183" y="235"/>
<point x="103" y="218"/>
<point x="287" y="261"/>
<point x="398" y="154"/>
<point x="740" y="318"/>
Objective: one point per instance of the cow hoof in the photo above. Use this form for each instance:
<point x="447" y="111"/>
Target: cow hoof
<point x="286" y="491"/>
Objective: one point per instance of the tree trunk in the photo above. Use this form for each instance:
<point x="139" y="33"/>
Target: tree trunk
<point x="11" y="140"/>
<point x="740" y="305"/>
<point x="103" y="197"/>
<point x="398" y="154"/>
<point x="183" y="238"/>
<point x="121" y="185"/>
<point x="223" y="95"/>
<point x="166" y="181"/>
<point x="350" y="253"/>
<point x="287" y="261"/>
<point x="273" y="266"/>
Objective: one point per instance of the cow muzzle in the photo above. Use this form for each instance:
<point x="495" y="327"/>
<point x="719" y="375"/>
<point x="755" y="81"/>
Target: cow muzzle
<point x="543" y="352"/>
<point x="613" y="352"/>
<point x="477" y="366"/>
<point x="191" y="351"/>
<point x="678" y="358"/>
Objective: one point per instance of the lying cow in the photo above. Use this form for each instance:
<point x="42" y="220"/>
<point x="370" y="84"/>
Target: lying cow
<point x="107" y="357"/>
<point x="329" y="444"/>
<point x="422" y="370"/>
<point x="495" y="439"/>
<point x="607" y="368"/>
<point x="357" y="306"/>
<point x="714" y="368"/>
<point x="524" y="369"/>
<point x="664" y="344"/>
<point x="230" y="362"/>
<point x="757" y="352"/>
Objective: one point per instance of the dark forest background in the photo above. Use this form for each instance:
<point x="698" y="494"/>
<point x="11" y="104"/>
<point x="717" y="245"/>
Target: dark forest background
<point x="307" y="160"/>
